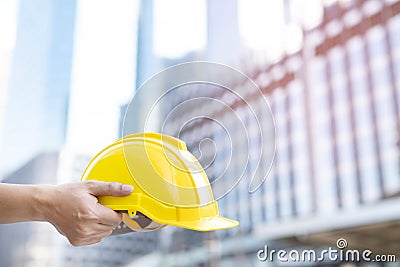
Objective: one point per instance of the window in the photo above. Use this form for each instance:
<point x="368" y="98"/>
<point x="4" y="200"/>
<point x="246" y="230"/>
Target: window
<point x="282" y="164"/>
<point x="321" y="134"/>
<point x="300" y="160"/>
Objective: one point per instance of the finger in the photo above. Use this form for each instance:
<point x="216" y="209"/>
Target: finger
<point x="107" y="216"/>
<point x="100" y="228"/>
<point x="104" y="234"/>
<point x="97" y="237"/>
<point x="98" y="188"/>
<point x="93" y="239"/>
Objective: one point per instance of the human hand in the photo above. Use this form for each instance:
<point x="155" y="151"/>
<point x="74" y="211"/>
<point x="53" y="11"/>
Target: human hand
<point x="75" y="212"/>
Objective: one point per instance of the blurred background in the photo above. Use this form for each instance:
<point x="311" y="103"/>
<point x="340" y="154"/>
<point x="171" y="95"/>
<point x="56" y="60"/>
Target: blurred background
<point x="330" y="71"/>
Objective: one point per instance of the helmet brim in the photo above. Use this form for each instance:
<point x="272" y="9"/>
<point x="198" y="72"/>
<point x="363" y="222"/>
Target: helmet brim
<point x="208" y="224"/>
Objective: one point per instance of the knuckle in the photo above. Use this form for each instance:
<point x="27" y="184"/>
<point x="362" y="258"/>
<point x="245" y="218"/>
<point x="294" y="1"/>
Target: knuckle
<point x="83" y="231"/>
<point x="112" y="186"/>
<point x="114" y="222"/>
<point x="86" y="216"/>
<point x="90" y="215"/>
<point x="80" y="230"/>
<point x="90" y="183"/>
<point x="87" y="230"/>
<point x="117" y="221"/>
<point x="115" y="225"/>
<point x="75" y="242"/>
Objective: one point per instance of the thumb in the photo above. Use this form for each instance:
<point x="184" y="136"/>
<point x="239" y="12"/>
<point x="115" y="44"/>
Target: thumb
<point x="98" y="188"/>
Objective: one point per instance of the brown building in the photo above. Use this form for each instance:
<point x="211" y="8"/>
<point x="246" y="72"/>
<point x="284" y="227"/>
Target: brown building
<point x="336" y="172"/>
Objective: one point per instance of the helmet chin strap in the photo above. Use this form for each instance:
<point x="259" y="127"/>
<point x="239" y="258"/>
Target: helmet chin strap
<point x="138" y="223"/>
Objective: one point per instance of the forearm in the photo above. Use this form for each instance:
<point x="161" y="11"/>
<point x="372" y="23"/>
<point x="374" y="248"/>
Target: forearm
<point x="72" y="208"/>
<point x="22" y="203"/>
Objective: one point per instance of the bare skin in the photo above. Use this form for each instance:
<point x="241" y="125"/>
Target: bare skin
<point x="72" y="208"/>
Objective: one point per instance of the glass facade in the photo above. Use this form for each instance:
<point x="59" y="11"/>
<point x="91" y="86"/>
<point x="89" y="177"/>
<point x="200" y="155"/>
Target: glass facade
<point x="300" y="163"/>
<point x="321" y="133"/>
<point x="43" y="57"/>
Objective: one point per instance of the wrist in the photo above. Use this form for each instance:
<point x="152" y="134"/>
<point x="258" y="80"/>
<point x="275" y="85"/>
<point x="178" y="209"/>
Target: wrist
<point x="41" y="202"/>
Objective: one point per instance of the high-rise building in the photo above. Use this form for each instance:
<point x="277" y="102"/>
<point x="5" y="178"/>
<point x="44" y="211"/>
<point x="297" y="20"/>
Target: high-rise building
<point x="223" y="46"/>
<point x="222" y="17"/>
<point x="146" y="57"/>
<point x="38" y="87"/>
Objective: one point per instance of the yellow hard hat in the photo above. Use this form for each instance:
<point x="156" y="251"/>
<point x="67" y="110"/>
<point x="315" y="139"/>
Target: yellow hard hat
<point x="171" y="187"/>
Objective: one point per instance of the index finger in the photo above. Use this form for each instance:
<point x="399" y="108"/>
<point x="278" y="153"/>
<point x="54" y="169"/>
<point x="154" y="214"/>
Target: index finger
<point x="108" y="216"/>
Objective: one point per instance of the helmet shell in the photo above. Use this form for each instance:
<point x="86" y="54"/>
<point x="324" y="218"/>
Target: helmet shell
<point x="170" y="185"/>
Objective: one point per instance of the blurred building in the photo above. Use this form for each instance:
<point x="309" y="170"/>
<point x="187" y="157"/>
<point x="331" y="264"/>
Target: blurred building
<point x="336" y="170"/>
<point x="226" y="47"/>
<point x="38" y="87"/>
<point x="145" y="44"/>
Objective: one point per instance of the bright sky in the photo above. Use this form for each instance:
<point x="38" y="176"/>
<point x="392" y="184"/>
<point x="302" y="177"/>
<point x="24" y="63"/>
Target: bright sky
<point x="264" y="30"/>
<point x="103" y="71"/>
<point x="8" y="10"/>
<point x="261" y="23"/>
<point x="179" y="27"/>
